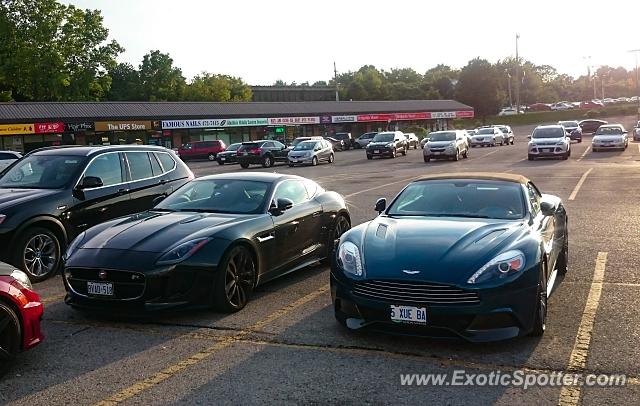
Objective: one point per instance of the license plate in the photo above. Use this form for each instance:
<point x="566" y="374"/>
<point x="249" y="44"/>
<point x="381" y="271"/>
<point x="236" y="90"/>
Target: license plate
<point x="376" y="151"/>
<point x="223" y="158"/>
<point x="409" y="314"/>
<point x="99" y="288"/>
<point x="295" y="160"/>
<point x="546" y="150"/>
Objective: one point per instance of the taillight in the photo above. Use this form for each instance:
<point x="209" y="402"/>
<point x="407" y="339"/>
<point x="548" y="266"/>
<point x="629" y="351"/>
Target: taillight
<point x="255" y="151"/>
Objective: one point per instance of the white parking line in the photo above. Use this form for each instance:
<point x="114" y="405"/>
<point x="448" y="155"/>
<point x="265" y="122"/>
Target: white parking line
<point x="579" y="185"/>
<point x="638" y="147"/>
<point x="586" y="151"/>
<point x="570" y="395"/>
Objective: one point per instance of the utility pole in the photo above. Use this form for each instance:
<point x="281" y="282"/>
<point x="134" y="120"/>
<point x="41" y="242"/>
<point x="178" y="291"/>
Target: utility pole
<point x="595" y="94"/>
<point x="587" y="58"/>
<point x="510" y="98"/>
<point x="517" y="77"/>
<point x="335" y="80"/>
<point x="636" y="51"/>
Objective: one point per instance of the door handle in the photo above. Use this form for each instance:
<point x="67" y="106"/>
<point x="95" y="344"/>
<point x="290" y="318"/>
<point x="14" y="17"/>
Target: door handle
<point x="295" y="223"/>
<point x="316" y="214"/>
<point x="162" y="181"/>
<point x="122" y="191"/>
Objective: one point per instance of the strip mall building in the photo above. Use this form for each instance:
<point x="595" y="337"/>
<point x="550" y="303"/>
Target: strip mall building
<point x="26" y="126"/>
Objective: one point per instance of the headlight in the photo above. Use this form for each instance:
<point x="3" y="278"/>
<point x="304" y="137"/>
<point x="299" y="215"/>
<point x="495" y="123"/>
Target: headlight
<point x="182" y="251"/>
<point x="501" y="266"/>
<point x="349" y="258"/>
<point x="22" y="278"/>
<point x="390" y="145"/>
<point x="74" y="244"/>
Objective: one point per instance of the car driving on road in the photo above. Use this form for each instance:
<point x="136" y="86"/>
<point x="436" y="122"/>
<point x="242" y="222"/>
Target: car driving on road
<point x="447" y="145"/>
<point x="610" y="136"/>
<point x="549" y="141"/>
<point x="209" y="244"/>
<point x="388" y="143"/>
<point x="574" y="131"/>
<point x="263" y="152"/>
<point x="53" y="194"/>
<point x="311" y="153"/>
<point x="474" y="255"/>
<point x="488" y="136"/>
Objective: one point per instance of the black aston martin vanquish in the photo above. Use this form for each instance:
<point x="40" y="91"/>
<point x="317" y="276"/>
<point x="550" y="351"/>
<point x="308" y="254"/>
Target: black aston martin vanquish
<point x="209" y="243"/>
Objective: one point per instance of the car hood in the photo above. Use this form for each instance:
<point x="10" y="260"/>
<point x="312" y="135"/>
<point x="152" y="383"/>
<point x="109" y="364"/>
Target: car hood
<point x="547" y="141"/>
<point x="442" y="249"/>
<point x="11" y="197"/>
<point x="379" y="144"/>
<point x="613" y="137"/>
<point x="157" y="232"/>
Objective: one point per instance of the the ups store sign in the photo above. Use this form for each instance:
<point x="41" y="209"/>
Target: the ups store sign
<point x="123" y="125"/>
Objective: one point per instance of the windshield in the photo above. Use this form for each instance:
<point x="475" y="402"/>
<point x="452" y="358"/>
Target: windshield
<point x="218" y="196"/>
<point x="485" y="131"/>
<point x="460" y="198"/>
<point x="569" y="123"/>
<point x="342" y="136"/>
<point x="388" y="137"/>
<point x="305" y="146"/>
<point x="42" y="172"/>
<point x="548" y="133"/>
<point x="298" y="141"/>
<point x="609" y="131"/>
<point x="450" y="136"/>
<point x="233" y="147"/>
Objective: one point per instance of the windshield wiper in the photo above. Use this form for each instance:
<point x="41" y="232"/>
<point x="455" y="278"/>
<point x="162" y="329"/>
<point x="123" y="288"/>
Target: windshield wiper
<point x="162" y="209"/>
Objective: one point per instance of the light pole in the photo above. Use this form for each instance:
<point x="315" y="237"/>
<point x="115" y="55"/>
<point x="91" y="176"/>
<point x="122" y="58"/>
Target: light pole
<point x="637" y="86"/>
<point x="587" y="58"/>
<point x="517" y="77"/>
<point x="509" y="83"/>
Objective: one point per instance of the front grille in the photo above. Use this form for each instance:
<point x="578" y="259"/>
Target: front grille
<point x="126" y="284"/>
<point x="414" y="292"/>
<point x="436" y="149"/>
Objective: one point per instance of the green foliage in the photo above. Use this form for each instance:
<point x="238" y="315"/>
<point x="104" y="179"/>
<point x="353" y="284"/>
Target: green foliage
<point x="159" y="79"/>
<point x="419" y="131"/>
<point x="217" y="88"/>
<point x="51" y="52"/>
<point x="479" y="87"/>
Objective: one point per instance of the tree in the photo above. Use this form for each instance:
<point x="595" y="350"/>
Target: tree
<point x="442" y="79"/>
<point x="319" y="83"/>
<point x="159" y="79"/>
<point x="479" y="87"/>
<point x="125" y="83"/>
<point x="217" y="88"/>
<point x="50" y="52"/>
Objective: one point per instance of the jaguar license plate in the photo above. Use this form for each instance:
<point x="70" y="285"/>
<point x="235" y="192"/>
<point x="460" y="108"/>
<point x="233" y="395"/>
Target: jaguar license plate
<point x="100" y="288"/>
<point x="409" y="314"/>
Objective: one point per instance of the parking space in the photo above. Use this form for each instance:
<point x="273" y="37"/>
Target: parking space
<point x="286" y="348"/>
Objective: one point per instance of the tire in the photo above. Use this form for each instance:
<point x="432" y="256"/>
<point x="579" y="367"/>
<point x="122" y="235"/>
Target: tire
<point x="331" y="158"/>
<point x="415" y="146"/>
<point x="211" y="157"/>
<point x="580" y="141"/>
<point x="513" y="141"/>
<point x="220" y="163"/>
<point x="540" y="320"/>
<point x="341" y="226"/>
<point x="531" y="158"/>
<point x="465" y="155"/>
<point x="244" y="165"/>
<point x="404" y="151"/>
<point x="369" y="156"/>
<point x="267" y="161"/>
<point x="314" y="161"/>
<point x="393" y="153"/>
<point x="594" y="149"/>
<point x="10" y="336"/>
<point x="565" y="156"/>
<point x="427" y="159"/>
<point x="456" y="157"/>
<point x="563" y="259"/>
<point x="235" y="280"/>
<point x="37" y="253"/>
<point x="291" y="165"/>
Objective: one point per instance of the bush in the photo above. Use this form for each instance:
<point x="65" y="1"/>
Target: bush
<point x="420" y="132"/>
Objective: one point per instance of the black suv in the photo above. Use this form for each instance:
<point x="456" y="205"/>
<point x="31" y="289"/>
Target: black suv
<point x="346" y="138"/>
<point x="388" y="143"/>
<point x="263" y="152"/>
<point x="52" y="195"/>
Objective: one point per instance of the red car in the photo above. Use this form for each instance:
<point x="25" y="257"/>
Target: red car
<point x="20" y="314"/>
<point x="201" y="149"/>
<point x="591" y="105"/>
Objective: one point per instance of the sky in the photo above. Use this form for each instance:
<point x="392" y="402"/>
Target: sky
<point x="262" y="41"/>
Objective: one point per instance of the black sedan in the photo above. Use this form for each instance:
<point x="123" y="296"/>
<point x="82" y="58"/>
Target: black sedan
<point x="468" y="255"/>
<point x="591" y="125"/>
<point x="208" y="244"/>
<point x="229" y="155"/>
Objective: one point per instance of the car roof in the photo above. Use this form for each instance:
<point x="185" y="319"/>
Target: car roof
<point x="270" y="177"/>
<point x="593" y="120"/>
<point x="549" y="126"/>
<point x="94" y="149"/>
<point x="612" y="126"/>
<point x="501" y="176"/>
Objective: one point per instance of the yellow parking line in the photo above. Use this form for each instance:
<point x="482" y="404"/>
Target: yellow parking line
<point x="570" y="395"/>
<point x="586" y="151"/>
<point x="579" y="185"/>
<point x="196" y="358"/>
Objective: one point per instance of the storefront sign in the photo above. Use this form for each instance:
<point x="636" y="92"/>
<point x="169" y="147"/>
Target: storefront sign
<point x="48" y="128"/>
<point x="77" y="127"/>
<point x="123" y="125"/>
<point x="344" y="119"/>
<point x="410" y="116"/>
<point x="10" y="129"/>
<point x="443" y="114"/>
<point x="464" y="114"/>
<point x="375" y="117"/>
<point x="294" y="120"/>
<point x="325" y="119"/>
<point x="214" y="123"/>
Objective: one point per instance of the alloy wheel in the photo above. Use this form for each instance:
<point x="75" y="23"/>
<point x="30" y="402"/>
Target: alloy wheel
<point x="9" y="335"/>
<point x="40" y="255"/>
<point x="239" y="278"/>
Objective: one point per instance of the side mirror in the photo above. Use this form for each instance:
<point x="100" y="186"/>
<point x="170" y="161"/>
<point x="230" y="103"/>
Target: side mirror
<point x="90" y="182"/>
<point x="282" y="204"/>
<point x="529" y="136"/>
<point x="548" y="208"/>
<point x="381" y="205"/>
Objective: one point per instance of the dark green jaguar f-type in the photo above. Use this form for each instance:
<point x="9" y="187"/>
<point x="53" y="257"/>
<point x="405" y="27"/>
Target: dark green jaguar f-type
<point x="474" y="255"/>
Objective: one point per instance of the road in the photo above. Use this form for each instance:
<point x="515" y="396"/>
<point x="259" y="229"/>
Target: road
<point x="286" y="348"/>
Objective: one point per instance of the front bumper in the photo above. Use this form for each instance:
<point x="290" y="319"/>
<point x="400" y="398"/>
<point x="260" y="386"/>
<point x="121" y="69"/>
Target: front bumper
<point x="609" y="145"/>
<point x="380" y="151"/>
<point x="575" y="136"/>
<point x="227" y="159"/>
<point x="501" y="314"/>
<point x="301" y="160"/>
<point x="483" y="142"/>
<point x="439" y="153"/>
<point x="548" y="150"/>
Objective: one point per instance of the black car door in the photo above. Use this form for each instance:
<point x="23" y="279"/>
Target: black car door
<point x="95" y="205"/>
<point x="146" y="183"/>
<point x="279" y="151"/>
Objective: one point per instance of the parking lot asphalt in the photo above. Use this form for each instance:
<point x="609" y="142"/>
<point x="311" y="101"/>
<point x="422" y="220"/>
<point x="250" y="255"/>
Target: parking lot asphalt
<point x="286" y="348"/>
